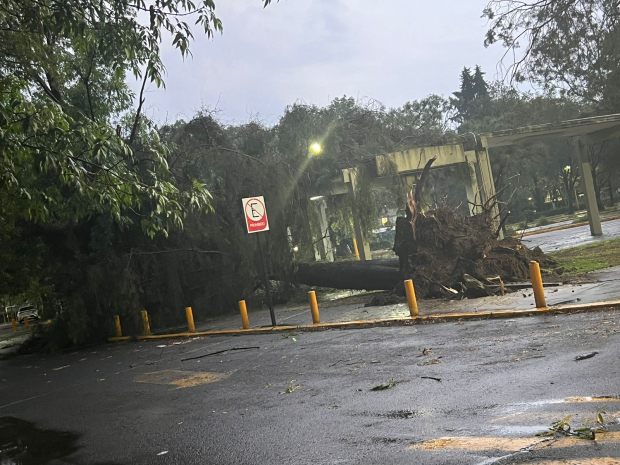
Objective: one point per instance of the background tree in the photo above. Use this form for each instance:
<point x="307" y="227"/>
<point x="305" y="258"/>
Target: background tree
<point x="570" y="46"/>
<point x="74" y="184"/>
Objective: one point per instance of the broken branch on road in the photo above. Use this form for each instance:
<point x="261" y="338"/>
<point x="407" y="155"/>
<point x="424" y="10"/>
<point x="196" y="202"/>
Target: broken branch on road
<point x="431" y="377"/>
<point x="585" y="356"/>
<point x="390" y="385"/>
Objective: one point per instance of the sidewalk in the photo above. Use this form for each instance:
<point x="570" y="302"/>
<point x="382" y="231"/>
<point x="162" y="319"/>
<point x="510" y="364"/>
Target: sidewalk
<point x="606" y="289"/>
<point x="561" y="220"/>
<point x="565" y="238"/>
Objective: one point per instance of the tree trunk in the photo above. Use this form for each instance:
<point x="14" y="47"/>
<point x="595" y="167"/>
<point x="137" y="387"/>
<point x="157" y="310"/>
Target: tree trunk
<point x="348" y="275"/>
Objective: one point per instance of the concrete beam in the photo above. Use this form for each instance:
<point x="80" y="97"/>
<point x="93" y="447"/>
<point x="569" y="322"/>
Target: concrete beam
<point x="604" y="134"/>
<point x="550" y="131"/>
<point x="338" y="186"/>
<point x="415" y="159"/>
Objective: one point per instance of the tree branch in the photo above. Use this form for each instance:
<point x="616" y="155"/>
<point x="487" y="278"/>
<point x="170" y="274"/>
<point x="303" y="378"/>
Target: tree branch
<point x="136" y="121"/>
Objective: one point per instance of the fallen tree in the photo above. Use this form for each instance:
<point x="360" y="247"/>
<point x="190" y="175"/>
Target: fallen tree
<point x="348" y="275"/>
<point x="444" y="253"/>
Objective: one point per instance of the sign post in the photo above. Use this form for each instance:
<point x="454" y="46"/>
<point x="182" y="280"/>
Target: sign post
<point x="256" y="221"/>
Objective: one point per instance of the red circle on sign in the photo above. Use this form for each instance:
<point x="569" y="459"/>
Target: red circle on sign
<point x="255" y="215"/>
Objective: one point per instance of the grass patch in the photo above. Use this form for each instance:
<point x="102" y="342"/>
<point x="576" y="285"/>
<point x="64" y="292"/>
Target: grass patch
<point x="588" y="257"/>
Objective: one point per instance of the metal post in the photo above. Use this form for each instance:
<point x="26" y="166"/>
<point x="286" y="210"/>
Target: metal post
<point x="189" y="315"/>
<point x="245" y="322"/>
<point x="117" y="326"/>
<point x="266" y="280"/>
<point x="537" y="285"/>
<point x="146" y="327"/>
<point x="411" y="300"/>
<point x="314" y="308"/>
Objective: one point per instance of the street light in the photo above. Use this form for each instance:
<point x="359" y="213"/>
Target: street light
<point x="316" y="148"/>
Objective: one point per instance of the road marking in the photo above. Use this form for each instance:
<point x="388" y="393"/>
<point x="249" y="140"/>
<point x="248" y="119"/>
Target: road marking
<point x="181" y="379"/>
<point x="60" y="368"/>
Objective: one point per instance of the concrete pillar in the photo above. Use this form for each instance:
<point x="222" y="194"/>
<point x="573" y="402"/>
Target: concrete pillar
<point x="363" y="245"/>
<point x="594" y="218"/>
<point x="487" y="184"/>
<point x="323" y="248"/>
<point x="470" y="179"/>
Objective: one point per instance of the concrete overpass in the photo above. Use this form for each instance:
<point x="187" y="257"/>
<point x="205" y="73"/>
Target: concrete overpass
<point x="471" y="152"/>
<point x="475" y="173"/>
<point x="581" y="132"/>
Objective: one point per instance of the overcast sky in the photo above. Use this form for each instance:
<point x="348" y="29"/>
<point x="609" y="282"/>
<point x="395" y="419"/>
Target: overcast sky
<point x="393" y="51"/>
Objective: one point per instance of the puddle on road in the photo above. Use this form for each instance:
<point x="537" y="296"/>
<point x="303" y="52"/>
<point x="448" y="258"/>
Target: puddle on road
<point x="573" y="400"/>
<point x="22" y="443"/>
<point x="406" y="414"/>
<point x="402" y="414"/>
<point x="569" y="400"/>
<point x="523" y="430"/>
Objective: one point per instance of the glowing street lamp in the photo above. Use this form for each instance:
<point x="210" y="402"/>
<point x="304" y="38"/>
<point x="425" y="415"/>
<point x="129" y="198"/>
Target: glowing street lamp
<point x="316" y="148"/>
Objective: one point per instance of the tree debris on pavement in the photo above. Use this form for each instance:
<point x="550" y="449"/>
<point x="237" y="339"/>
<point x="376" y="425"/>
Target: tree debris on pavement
<point x="585" y="356"/>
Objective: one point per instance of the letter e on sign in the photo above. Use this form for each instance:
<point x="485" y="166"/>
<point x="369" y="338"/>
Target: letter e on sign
<point x="255" y="214"/>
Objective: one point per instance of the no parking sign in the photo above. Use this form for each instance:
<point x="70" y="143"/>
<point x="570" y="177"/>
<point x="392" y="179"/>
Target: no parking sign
<point x="255" y="214"/>
<point x="256" y="221"/>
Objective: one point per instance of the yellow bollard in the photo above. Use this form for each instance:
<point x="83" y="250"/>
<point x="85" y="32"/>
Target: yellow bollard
<point x="26" y="322"/>
<point x="537" y="284"/>
<point x="357" y="251"/>
<point x="245" y="322"/>
<point x="314" y="308"/>
<point x="190" y="320"/>
<point x="14" y="324"/>
<point x="117" y="326"/>
<point x="411" y="300"/>
<point x="145" y="323"/>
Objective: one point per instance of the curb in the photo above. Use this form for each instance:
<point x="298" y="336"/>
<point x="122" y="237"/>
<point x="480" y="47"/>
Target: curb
<point x="419" y="320"/>
<point x="566" y="226"/>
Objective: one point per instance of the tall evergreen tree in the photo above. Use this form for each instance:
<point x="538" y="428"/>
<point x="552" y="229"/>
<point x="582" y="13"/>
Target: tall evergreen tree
<point x="479" y="85"/>
<point x="468" y="100"/>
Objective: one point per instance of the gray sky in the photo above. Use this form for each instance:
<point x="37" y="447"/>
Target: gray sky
<point x="393" y="51"/>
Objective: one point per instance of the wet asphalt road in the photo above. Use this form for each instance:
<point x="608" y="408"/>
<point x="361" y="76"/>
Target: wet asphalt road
<point x="573" y="237"/>
<point x="503" y="380"/>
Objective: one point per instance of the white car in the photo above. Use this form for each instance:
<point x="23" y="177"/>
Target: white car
<point x="28" y="311"/>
